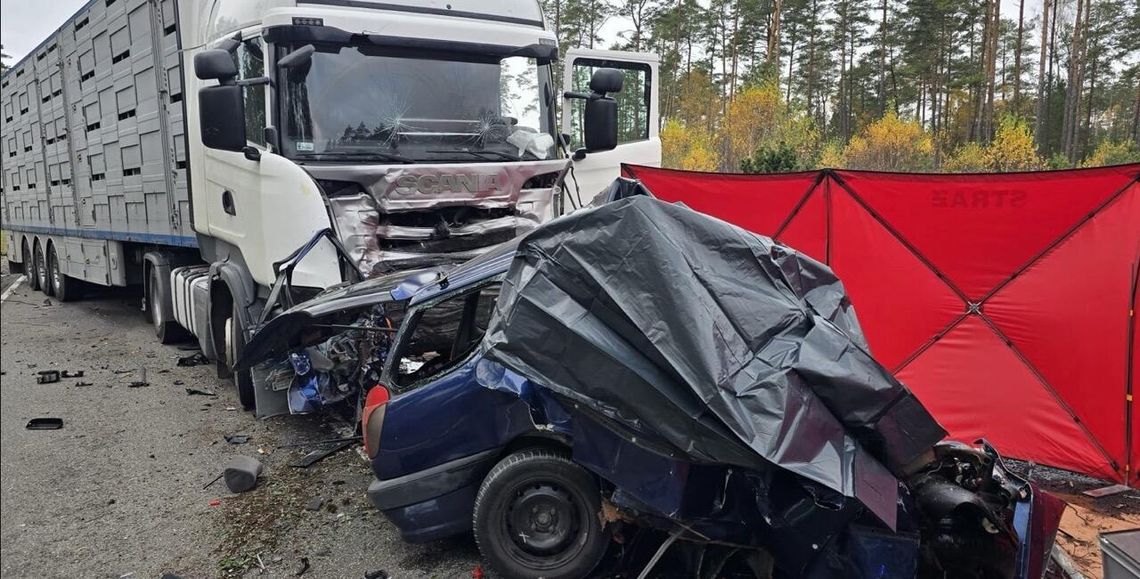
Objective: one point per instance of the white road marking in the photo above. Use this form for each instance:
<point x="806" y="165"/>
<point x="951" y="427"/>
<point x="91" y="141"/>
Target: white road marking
<point x="12" y="288"/>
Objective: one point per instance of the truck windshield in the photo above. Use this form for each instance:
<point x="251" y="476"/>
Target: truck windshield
<point x="360" y="103"/>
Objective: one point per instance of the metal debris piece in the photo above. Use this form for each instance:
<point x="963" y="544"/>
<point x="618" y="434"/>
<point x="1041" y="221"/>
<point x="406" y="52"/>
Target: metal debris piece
<point x="195" y="359"/>
<point x="46" y="423"/>
<point x="319" y="455"/>
<point x="197" y="392"/>
<point x="81" y="384"/>
<point x="1106" y="491"/>
<point x="47" y="376"/>
<point x="237" y="438"/>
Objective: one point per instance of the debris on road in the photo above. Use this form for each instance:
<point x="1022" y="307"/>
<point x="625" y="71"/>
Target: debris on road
<point x="47" y="376"/>
<point x="241" y="474"/>
<point x="195" y="359"/>
<point x="304" y="567"/>
<point x="199" y="392"/>
<point x="377" y="574"/>
<point x="141" y="381"/>
<point x="1106" y="491"/>
<point x="237" y="438"/>
<point x="315" y="504"/>
<point x="215" y="502"/>
<point x="81" y="384"/>
<point x="46" y="423"/>
<point x="318" y="455"/>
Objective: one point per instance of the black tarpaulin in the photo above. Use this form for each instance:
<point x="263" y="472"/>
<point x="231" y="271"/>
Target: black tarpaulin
<point x="731" y="347"/>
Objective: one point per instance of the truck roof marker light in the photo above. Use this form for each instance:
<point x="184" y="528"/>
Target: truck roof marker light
<point x="301" y="21"/>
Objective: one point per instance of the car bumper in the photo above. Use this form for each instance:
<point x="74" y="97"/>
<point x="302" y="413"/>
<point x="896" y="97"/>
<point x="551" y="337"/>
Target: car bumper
<point x="433" y="503"/>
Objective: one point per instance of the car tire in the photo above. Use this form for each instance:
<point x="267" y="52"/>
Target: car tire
<point x="167" y="331"/>
<point x="243" y="380"/>
<point x="42" y="280"/>
<point x="536" y="515"/>
<point x="30" y="268"/>
<point x="64" y="288"/>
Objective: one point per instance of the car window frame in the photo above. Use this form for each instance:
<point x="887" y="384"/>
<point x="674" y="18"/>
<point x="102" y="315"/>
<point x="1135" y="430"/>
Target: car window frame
<point x="407" y="330"/>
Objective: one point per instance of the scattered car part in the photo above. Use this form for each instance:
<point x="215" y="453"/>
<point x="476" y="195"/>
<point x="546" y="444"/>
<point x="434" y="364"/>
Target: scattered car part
<point x="71" y="374"/>
<point x="318" y="455"/>
<point x="241" y="474"/>
<point x="195" y="359"/>
<point x="237" y="438"/>
<point x="199" y="392"/>
<point x="47" y="376"/>
<point x="1120" y="553"/>
<point x="46" y="423"/>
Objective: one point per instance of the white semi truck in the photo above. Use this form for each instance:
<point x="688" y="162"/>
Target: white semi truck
<point x="191" y="146"/>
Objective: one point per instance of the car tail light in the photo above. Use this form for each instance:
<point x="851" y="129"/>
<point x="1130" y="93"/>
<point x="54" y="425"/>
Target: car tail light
<point x="374" y="405"/>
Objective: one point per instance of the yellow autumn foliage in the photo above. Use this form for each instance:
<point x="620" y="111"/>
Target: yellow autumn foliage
<point x="1013" y="148"/>
<point x="1110" y="153"/>
<point x="890" y="144"/>
<point x="687" y="148"/>
<point x="758" y="118"/>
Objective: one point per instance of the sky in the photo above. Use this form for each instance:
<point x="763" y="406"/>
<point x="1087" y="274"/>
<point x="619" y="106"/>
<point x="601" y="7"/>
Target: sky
<point x="25" y="23"/>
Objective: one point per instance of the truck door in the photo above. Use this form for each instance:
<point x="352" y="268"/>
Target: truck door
<point x="638" y="112"/>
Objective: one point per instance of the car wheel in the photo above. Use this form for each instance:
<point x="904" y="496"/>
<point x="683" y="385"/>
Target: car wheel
<point x="63" y="287"/>
<point x="243" y="379"/>
<point x="536" y="515"/>
<point x="42" y="272"/>
<point x="30" y="267"/>
<point x="167" y="331"/>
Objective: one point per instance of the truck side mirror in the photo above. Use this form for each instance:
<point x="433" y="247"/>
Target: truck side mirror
<point x="221" y="111"/>
<point x="600" y="123"/>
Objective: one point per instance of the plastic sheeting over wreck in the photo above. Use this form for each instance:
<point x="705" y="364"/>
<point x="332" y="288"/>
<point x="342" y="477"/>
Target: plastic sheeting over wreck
<point x="728" y="346"/>
<point x="1007" y="302"/>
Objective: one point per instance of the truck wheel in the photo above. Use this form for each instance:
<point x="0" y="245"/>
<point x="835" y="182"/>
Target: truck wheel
<point x="63" y="287"/>
<point x="167" y="331"/>
<point x="30" y="268"/>
<point x="235" y="344"/>
<point x="536" y="515"/>
<point x="42" y="272"/>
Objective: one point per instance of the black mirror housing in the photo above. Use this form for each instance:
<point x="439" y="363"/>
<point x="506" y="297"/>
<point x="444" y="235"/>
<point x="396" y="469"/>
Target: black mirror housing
<point x="215" y="64"/>
<point x="606" y="81"/>
<point x="221" y="115"/>
<point x="600" y="124"/>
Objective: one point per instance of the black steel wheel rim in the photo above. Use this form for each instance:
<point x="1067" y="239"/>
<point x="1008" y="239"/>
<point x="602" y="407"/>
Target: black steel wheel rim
<point x="544" y="524"/>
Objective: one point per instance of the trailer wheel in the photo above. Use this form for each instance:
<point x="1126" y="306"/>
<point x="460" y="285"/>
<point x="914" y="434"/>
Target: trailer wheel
<point x="167" y="331"/>
<point x="536" y="515"/>
<point x="42" y="271"/>
<point x="235" y="344"/>
<point x="30" y="268"/>
<point x="64" y="287"/>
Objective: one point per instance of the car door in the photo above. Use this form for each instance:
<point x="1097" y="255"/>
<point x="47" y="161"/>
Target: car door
<point x="638" y="113"/>
<point x="439" y="412"/>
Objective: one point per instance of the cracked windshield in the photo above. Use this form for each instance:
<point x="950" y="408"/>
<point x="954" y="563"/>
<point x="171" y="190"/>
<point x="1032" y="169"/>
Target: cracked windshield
<point x="346" y="103"/>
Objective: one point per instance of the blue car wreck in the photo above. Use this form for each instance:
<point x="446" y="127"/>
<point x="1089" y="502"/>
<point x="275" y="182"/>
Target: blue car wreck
<point x="639" y="390"/>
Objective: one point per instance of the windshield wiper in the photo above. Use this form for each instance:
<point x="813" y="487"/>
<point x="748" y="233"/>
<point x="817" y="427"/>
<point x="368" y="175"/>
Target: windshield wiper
<point x="356" y="154"/>
<point x="484" y="154"/>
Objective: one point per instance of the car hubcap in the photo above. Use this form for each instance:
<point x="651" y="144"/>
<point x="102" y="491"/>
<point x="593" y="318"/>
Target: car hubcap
<point x="542" y="519"/>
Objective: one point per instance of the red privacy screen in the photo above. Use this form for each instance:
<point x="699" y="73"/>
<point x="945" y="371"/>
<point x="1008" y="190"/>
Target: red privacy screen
<point x="1005" y="301"/>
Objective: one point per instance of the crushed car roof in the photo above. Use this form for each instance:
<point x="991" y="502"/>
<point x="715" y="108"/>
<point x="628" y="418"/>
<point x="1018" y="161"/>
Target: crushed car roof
<point x="733" y="348"/>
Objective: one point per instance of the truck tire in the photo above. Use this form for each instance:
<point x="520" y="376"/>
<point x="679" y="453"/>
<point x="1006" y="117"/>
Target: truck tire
<point x="30" y="268"/>
<point x="63" y="287"/>
<point x="41" y="271"/>
<point x="167" y="331"/>
<point x="243" y="380"/>
<point x="536" y="515"/>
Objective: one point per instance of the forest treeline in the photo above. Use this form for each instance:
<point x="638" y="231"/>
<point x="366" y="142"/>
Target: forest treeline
<point x="909" y="85"/>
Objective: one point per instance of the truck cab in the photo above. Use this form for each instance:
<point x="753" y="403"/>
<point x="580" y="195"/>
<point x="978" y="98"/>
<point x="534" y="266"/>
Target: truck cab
<point x="418" y="133"/>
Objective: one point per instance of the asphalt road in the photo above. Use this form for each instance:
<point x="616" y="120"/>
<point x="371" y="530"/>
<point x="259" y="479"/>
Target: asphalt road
<point x="119" y="490"/>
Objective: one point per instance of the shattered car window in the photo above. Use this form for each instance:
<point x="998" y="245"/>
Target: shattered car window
<point x="445" y="334"/>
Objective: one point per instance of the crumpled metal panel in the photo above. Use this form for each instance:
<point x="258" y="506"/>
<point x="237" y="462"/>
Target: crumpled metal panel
<point x="730" y="346"/>
<point x="401" y="188"/>
<point x="378" y="246"/>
